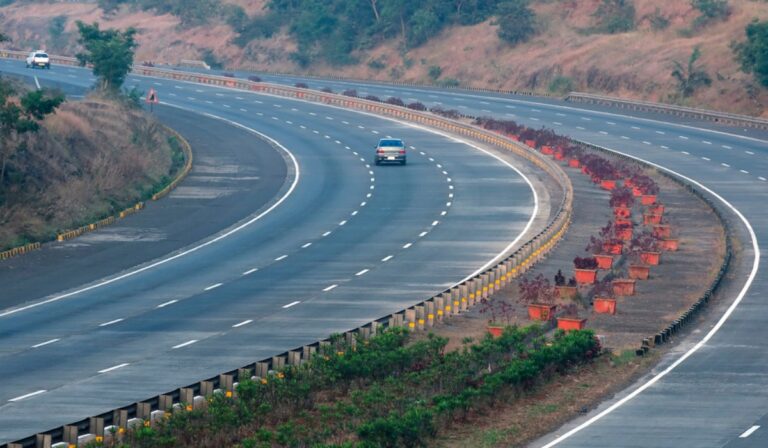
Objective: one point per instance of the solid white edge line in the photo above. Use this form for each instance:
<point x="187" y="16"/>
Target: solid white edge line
<point x="708" y="336"/>
<point x="109" y="369"/>
<point x="193" y="249"/>
<point x="292" y="304"/>
<point x="245" y="322"/>
<point x="50" y="341"/>
<point x="749" y="432"/>
<point x="31" y="394"/>
<point x="184" y="344"/>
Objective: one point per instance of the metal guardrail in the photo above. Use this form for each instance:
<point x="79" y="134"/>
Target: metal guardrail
<point x="680" y="111"/>
<point x="452" y="301"/>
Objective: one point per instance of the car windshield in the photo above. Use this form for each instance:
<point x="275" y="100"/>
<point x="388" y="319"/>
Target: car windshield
<point x="390" y="143"/>
<point x="41" y="55"/>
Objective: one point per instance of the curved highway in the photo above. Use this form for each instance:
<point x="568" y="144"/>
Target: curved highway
<point x="711" y="390"/>
<point x="342" y="242"/>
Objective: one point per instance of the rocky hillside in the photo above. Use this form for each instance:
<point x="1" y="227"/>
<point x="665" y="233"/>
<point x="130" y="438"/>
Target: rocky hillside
<point x="568" y="50"/>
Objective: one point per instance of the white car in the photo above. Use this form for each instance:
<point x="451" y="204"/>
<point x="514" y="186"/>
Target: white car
<point x="39" y="59"/>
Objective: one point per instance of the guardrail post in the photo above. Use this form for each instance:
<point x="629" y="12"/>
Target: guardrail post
<point x="42" y="441"/>
<point x="262" y="369"/>
<point x="164" y="402"/>
<point x="294" y="358"/>
<point x="186" y="397"/>
<point x="243" y="374"/>
<point x="143" y="410"/>
<point x="464" y="294"/>
<point x="410" y="318"/>
<point x="492" y="281"/>
<point x="226" y="382"/>
<point x="69" y="434"/>
<point x="278" y="362"/>
<point x="120" y="418"/>
<point x="96" y="426"/>
<point x="206" y="389"/>
<point x="484" y="285"/>
<point x="439" y="308"/>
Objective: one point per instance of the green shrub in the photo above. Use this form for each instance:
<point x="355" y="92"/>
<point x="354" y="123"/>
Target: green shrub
<point x="434" y="72"/>
<point x="560" y="85"/>
<point x="614" y="16"/>
<point x="752" y="54"/>
<point x="517" y="22"/>
<point x="711" y="11"/>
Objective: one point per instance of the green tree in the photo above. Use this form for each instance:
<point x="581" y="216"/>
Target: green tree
<point x="615" y="16"/>
<point x="690" y="77"/>
<point x="110" y="51"/>
<point x="56" y="28"/>
<point x="753" y="53"/>
<point x="711" y="11"/>
<point x="517" y="23"/>
<point x="20" y="117"/>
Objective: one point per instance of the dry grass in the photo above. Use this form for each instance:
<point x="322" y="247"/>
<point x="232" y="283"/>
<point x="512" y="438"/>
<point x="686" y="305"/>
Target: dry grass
<point x="90" y="159"/>
<point x="635" y="64"/>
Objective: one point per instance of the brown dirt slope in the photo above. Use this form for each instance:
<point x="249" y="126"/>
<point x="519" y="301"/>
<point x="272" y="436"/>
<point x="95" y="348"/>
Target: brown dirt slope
<point x="89" y="160"/>
<point x="635" y="64"/>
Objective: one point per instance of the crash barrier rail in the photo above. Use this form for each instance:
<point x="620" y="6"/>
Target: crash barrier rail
<point x="21" y="250"/>
<point x="187" y="150"/>
<point x="450" y="302"/>
<point x="665" y="334"/>
<point x="679" y="111"/>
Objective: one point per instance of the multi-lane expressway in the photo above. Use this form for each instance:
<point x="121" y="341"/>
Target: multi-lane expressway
<point x="338" y="257"/>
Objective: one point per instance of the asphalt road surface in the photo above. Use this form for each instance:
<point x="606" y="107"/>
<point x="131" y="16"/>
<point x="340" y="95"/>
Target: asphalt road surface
<point x="265" y="247"/>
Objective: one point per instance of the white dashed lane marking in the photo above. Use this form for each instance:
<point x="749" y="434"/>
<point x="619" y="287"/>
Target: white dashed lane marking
<point x="362" y="272"/>
<point x="184" y="344"/>
<point x="170" y="302"/>
<point x="111" y="322"/>
<point x="250" y="271"/>
<point x="245" y="322"/>
<point x="31" y="394"/>
<point x="330" y="288"/>
<point x="51" y="341"/>
<point x="387" y="258"/>
<point x="109" y="369"/>
<point x="292" y="304"/>
<point x="208" y="288"/>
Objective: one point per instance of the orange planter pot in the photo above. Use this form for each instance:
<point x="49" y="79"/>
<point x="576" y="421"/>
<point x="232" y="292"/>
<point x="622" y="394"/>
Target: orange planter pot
<point x="639" y="271"/>
<point x="585" y="276"/>
<point x="662" y="231"/>
<point x="541" y="312"/>
<point x="651" y="258"/>
<point x="624" y="234"/>
<point x="494" y="330"/>
<point x="648" y="199"/>
<point x="559" y="155"/>
<point x="613" y="249"/>
<point x="623" y="287"/>
<point x="531" y="143"/>
<point x="604" y="262"/>
<point x="657" y="209"/>
<point x="571" y="323"/>
<point x="650" y="219"/>
<point x="574" y="163"/>
<point x="547" y="150"/>
<point x="608" y="184"/>
<point x="622" y="212"/>
<point x="622" y="221"/>
<point x="604" y="305"/>
<point x="628" y="183"/>
<point x="670" y="245"/>
<point x="636" y="192"/>
<point x="566" y="292"/>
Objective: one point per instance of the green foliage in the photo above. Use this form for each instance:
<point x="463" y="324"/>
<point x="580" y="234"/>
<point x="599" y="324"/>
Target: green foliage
<point x="434" y="72"/>
<point x="56" y="29"/>
<point x="690" y="77"/>
<point x="752" y="54"/>
<point x="614" y="16"/>
<point x="658" y="21"/>
<point x="560" y="85"/>
<point x="20" y="118"/>
<point x="410" y="429"/>
<point x="110" y="51"/>
<point x="235" y="16"/>
<point x="517" y="22"/>
<point x="711" y="11"/>
<point x="211" y="59"/>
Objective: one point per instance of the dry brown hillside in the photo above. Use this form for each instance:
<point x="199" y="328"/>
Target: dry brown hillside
<point x="635" y="64"/>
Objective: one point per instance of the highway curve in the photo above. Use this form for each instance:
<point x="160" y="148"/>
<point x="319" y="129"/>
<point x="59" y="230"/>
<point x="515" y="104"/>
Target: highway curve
<point x="711" y="390"/>
<point x="338" y="242"/>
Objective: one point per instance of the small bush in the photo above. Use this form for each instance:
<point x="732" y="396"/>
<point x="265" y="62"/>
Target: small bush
<point x="228" y="74"/>
<point x="517" y="22"/>
<point x="395" y="101"/>
<point x="373" y="98"/>
<point x="448" y="82"/>
<point x="350" y="92"/>
<point x="326" y="90"/>
<point x="417" y="106"/>
<point x="711" y="11"/>
<point x="753" y="53"/>
<point x="376" y="64"/>
<point x="301" y="85"/>
<point x="434" y="72"/>
<point x="614" y="16"/>
<point x="560" y="85"/>
<point x="254" y="78"/>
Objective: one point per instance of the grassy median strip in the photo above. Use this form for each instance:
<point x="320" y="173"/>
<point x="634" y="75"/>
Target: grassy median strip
<point x="388" y="391"/>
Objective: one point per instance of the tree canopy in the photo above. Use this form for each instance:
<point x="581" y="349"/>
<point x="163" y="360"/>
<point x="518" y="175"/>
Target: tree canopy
<point x="753" y="53"/>
<point x="110" y="51"/>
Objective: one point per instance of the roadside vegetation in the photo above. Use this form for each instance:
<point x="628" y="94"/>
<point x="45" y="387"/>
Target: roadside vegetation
<point x="67" y="164"/>
<point x="389" y="391"/>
